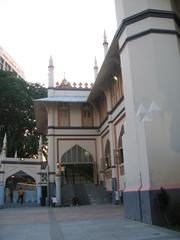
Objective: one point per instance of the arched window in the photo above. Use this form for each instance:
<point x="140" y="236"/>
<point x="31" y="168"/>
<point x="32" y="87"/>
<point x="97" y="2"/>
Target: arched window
<point x="76" y="155"/>
<point x="120" y="146"/>
<point x="107" y="155"/>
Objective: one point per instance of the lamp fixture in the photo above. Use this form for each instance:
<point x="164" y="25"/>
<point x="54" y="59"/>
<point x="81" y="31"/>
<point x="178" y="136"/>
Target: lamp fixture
<point x="115" y="77"/>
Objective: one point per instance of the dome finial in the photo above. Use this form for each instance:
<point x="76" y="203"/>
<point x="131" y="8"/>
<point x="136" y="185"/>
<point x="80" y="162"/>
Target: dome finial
<point x="105" y="44"/>
<point x="51" y="73"/>
<point x="95" y="68"/>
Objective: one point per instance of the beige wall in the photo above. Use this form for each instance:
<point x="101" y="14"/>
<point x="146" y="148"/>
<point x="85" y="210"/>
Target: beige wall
<point x="75" y="115"/>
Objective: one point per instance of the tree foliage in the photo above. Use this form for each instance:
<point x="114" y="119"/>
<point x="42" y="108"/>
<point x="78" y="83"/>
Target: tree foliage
<point x="17" y="116"/>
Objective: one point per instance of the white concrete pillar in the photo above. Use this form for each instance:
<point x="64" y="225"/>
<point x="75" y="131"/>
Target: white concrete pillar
<point x="1" y="194"/>
<point x="51" y="152"/>
<point x="58" y="189"/>
<point x="150" y="62"/>
<point x="112" y="147"/>
<point x="39" y="194"/>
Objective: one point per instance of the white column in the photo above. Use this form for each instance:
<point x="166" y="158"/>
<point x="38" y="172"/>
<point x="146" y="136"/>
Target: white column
<point x="58" y="188"/>
<point x="112" y="147"/>
<point x="150" y="73"/>
<point x="51" y="153"/>
<point x="1" y="194"/>
<point x="39" y="194"/>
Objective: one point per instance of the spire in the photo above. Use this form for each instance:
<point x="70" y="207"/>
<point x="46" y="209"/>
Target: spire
<point x="51" y="73"/>
<point x="4" y="148"/>
<point x="5" y="141"/>
<point x="95" y="68"/>
<point x="105" y="44"/>
<point x="15" y="154"/>
<point x="40" y="148"/>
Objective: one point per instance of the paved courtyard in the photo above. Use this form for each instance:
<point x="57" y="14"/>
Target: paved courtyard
<point x="102" y="222"/>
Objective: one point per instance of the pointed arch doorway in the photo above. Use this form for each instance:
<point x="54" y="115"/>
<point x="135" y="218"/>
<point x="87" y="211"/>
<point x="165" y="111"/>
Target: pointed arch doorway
<point x="78" y="166"/>
<point x="23" y="180"/>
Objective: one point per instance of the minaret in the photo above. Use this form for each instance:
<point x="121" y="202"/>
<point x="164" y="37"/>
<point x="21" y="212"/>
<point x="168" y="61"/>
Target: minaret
<point x="40" y="148"/>
<point x="3" y="153"/>
<point x="51" y="73"/>
<point x="95" y="68"/>
<point x="105" y="44"/>
<point x="15" y="154"/>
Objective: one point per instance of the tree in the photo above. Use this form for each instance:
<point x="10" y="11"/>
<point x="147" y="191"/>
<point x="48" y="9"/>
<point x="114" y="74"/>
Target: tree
<point x="17" y="117"/>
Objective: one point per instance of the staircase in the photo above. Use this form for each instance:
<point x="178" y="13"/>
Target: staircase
<point x="86" y="193"/>
<point x="67" y="194"/>
<point x="97" y="194"/>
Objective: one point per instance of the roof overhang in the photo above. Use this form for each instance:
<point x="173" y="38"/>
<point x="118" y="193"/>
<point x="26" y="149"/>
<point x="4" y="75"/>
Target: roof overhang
<point x="67" y="99"/>
<point x="107" y="70"/>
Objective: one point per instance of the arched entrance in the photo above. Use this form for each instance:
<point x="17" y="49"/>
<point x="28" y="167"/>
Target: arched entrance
<point x="120" y="146"/>
<point x="107" y="155"/>
<point x="120" y="164"/>
<point x="17" y="181"/>
<point x="77" y="166"/>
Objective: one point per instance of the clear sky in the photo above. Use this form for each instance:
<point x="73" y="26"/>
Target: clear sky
<point x="69" y="30"/>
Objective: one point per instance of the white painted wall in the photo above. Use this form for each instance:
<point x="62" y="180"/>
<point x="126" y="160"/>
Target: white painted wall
<point x="151" y="70"/>
<point x="126" y="8"/>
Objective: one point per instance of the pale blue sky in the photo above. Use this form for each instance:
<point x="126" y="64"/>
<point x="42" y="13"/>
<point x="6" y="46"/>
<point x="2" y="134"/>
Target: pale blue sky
<point x="70" y="30"/>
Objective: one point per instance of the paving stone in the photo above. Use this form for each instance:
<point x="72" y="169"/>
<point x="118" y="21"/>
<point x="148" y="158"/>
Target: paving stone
<point x="97" y="222"/>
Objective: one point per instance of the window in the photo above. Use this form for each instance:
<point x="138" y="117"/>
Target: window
<point x="107" y="155"/>
<point x="120" y="146"/>
<point x="63" y="115"/>
<point x="87" y="115"/>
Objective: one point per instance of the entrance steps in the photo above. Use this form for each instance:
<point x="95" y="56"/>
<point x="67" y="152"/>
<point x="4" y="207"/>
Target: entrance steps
<point x="67" y="194"/>
<point x="86" y="193"/>
<point x="97" y="194"/>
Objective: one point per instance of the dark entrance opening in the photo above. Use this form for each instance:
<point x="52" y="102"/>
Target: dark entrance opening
<point x="78" y="166"/>
<point x="17" y="181"/>
<point x="78" y="173"/>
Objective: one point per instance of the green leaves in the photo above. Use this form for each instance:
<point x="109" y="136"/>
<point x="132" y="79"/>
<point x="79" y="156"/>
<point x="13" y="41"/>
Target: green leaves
<point x="17" y="117"/>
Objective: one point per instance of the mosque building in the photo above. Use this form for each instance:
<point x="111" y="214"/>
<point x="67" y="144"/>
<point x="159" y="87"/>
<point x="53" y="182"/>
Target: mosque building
<point x="125" y="129"/>
<point x="122" y="133"/>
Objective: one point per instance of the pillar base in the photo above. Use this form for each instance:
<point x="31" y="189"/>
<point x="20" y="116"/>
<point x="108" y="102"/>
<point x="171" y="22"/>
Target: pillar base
<point x="1" y="195"/>
<point x="144" y="206"/>
<point x="52" y="191"/>
<point x="39" y="194"/>
<point x="114" y="188"/>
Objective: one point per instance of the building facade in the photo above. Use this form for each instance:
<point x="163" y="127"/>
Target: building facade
<point x="85" y="129"/>
<point x="8" y="64"/>
<point x="129" y="121"/>
<point x="16" y="172"/>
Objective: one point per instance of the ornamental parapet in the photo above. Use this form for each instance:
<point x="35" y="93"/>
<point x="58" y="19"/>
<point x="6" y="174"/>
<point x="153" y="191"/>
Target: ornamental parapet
<point x="68" y="85"/>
